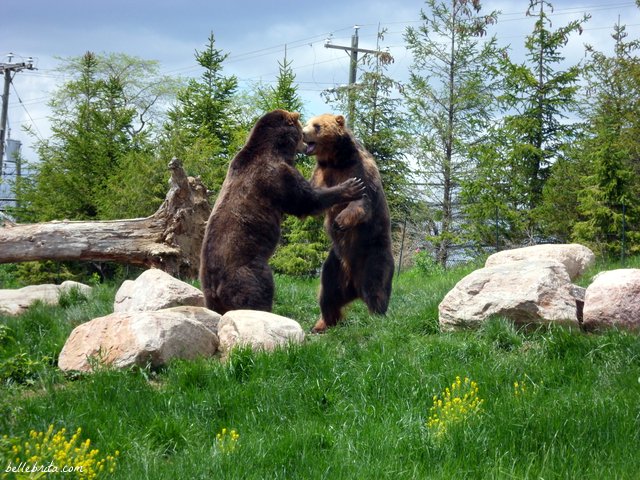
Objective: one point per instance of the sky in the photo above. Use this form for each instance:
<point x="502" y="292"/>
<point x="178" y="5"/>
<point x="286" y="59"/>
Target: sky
<point x="254" y="33"/>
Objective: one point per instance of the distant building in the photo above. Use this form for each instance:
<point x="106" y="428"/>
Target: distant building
<point x="11" y="170"/>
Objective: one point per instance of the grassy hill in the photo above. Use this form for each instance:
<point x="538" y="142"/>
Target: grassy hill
<point x="360" y="402"/>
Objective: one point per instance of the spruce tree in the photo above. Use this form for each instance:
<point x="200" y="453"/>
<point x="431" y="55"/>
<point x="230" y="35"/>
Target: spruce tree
<point x="204" y="129"/>
<point x="449" y="97"/>
<point x="103" y="114"/>
<point x="609" y="196"/>
<point x="514" y="163"/>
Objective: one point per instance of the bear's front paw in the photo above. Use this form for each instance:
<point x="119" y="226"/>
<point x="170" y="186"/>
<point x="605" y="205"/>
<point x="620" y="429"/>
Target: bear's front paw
<point x="354" y="188"/>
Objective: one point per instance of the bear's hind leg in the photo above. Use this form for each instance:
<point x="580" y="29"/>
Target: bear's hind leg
<point x="376" y="283"/>
<point x="336" y="291"/>
<point x="249" y="287"/>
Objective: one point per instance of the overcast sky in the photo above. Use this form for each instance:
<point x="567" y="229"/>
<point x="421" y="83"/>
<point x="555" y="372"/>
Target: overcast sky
<point x="254" y="33"/>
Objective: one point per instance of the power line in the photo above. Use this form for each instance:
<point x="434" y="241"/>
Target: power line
<point x="38" y="134"/>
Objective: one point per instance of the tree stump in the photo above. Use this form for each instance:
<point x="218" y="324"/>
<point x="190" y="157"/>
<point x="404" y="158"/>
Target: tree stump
<point x="170" y="239"/>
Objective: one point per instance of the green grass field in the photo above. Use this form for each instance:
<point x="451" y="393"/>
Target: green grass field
<point x="355" y="403"/>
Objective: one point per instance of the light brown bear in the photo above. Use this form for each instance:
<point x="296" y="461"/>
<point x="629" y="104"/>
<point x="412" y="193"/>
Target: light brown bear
<point x="360" y="263"/>
<point x="243" y="230"/>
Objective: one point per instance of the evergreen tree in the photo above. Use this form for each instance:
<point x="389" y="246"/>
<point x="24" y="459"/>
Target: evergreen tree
<point x="284" y="95"/>
<point x="515" y="163"/>
<point x="204" y="129"/>
<point x="449" y="97"/>
<point x="609" y="198"/>
<point x="102" y="115"/>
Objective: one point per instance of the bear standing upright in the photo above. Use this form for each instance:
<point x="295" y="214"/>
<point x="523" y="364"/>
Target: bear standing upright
<point x="244" y="226"/>
<point x="360" y="263"/>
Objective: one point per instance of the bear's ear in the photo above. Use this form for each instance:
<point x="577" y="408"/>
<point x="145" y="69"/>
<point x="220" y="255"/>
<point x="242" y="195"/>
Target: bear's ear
<point x="340" y="120"/>
<point x="294" y="117"/>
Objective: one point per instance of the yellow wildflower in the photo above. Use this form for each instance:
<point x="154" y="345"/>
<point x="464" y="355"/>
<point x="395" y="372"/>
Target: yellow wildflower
<point x="457" y="403"/>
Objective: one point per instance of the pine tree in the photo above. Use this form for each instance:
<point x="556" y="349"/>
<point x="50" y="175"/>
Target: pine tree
<point x="99" y="117"/>
<point x="449" y="97"/>
<point x="515" y="162"/>
<point x="204" y="129"/>
<point x="609" y="198"/>
<point x="284" y="95"/>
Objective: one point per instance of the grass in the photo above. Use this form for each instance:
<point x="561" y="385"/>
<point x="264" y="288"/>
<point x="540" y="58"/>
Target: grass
<point x="353" y="403"/>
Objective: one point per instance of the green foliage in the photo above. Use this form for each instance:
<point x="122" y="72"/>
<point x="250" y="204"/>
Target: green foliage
<point x="35" y="273"/>
<point x="20" y="369"/>
<point x="71" y="297"/>
<point x="202" y="129"/>
<point x="299" y="259"/>
<point x="8" y="276"/>
<point x="426" y="264"/>
<point x="304" y="244"/>
<point x="515" y="162"/>
<point x="100" y="116"/>
<point x="608" y="198"/>
<point x="301" y="410"/>
<point x="285" y="93"/>
<point x="16" y="367"/>
<point x="137" y="188"/>
<point x="449" y="99"/>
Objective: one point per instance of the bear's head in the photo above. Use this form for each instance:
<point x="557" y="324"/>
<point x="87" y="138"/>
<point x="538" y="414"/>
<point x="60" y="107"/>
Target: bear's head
<point x="280" y="128"/>
<point x="323" y="133"/>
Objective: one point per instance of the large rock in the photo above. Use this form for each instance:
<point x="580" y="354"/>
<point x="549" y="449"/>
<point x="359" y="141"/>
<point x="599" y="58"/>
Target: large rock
<point x="17" y="301"/>
<point x="525" y="292"/>
<point x="259" y="330"/>
<point x="140" y="338"/>
<point x="613" y="300"/>
<point x="575" y="257"/>
<point x="155" y="290"/>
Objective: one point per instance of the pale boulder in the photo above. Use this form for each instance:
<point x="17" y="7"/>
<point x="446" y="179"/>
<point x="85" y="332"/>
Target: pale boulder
<point x="155" y="289"/>
<point x="125" y="339"/>
<point x="259" y="330"/>
<point x="575" y="257"/>
<point x="525" y="292"/>
<point x="17" y="301"/>
<point x="613" y="300"/>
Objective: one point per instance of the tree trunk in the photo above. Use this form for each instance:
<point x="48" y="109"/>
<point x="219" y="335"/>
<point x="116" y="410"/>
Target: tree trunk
<point x="170" y="239"/>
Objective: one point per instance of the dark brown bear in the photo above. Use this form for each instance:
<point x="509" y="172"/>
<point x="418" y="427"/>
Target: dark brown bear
<point x="360" y="263"/>
<point x="244" y="227"/>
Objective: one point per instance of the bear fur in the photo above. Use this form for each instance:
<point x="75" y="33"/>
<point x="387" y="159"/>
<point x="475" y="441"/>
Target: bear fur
<point x="360" y="263"/>
<point x="243" y="229"/>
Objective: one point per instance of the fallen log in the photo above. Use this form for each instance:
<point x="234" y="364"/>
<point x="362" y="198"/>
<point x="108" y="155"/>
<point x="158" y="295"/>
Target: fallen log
<point x="170" y="239"/>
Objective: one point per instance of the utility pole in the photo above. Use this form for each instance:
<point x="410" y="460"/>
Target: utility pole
<point x="353" y="51"/>
<point x="6" y="69"/>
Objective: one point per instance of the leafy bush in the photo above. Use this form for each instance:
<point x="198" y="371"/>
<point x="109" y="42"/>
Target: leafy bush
<point x="426" y="264"/>
<point x="20" y="368"/>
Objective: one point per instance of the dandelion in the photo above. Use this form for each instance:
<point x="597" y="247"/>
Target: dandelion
<point x="454" y="405"/>
<point x="227" y="441"/>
